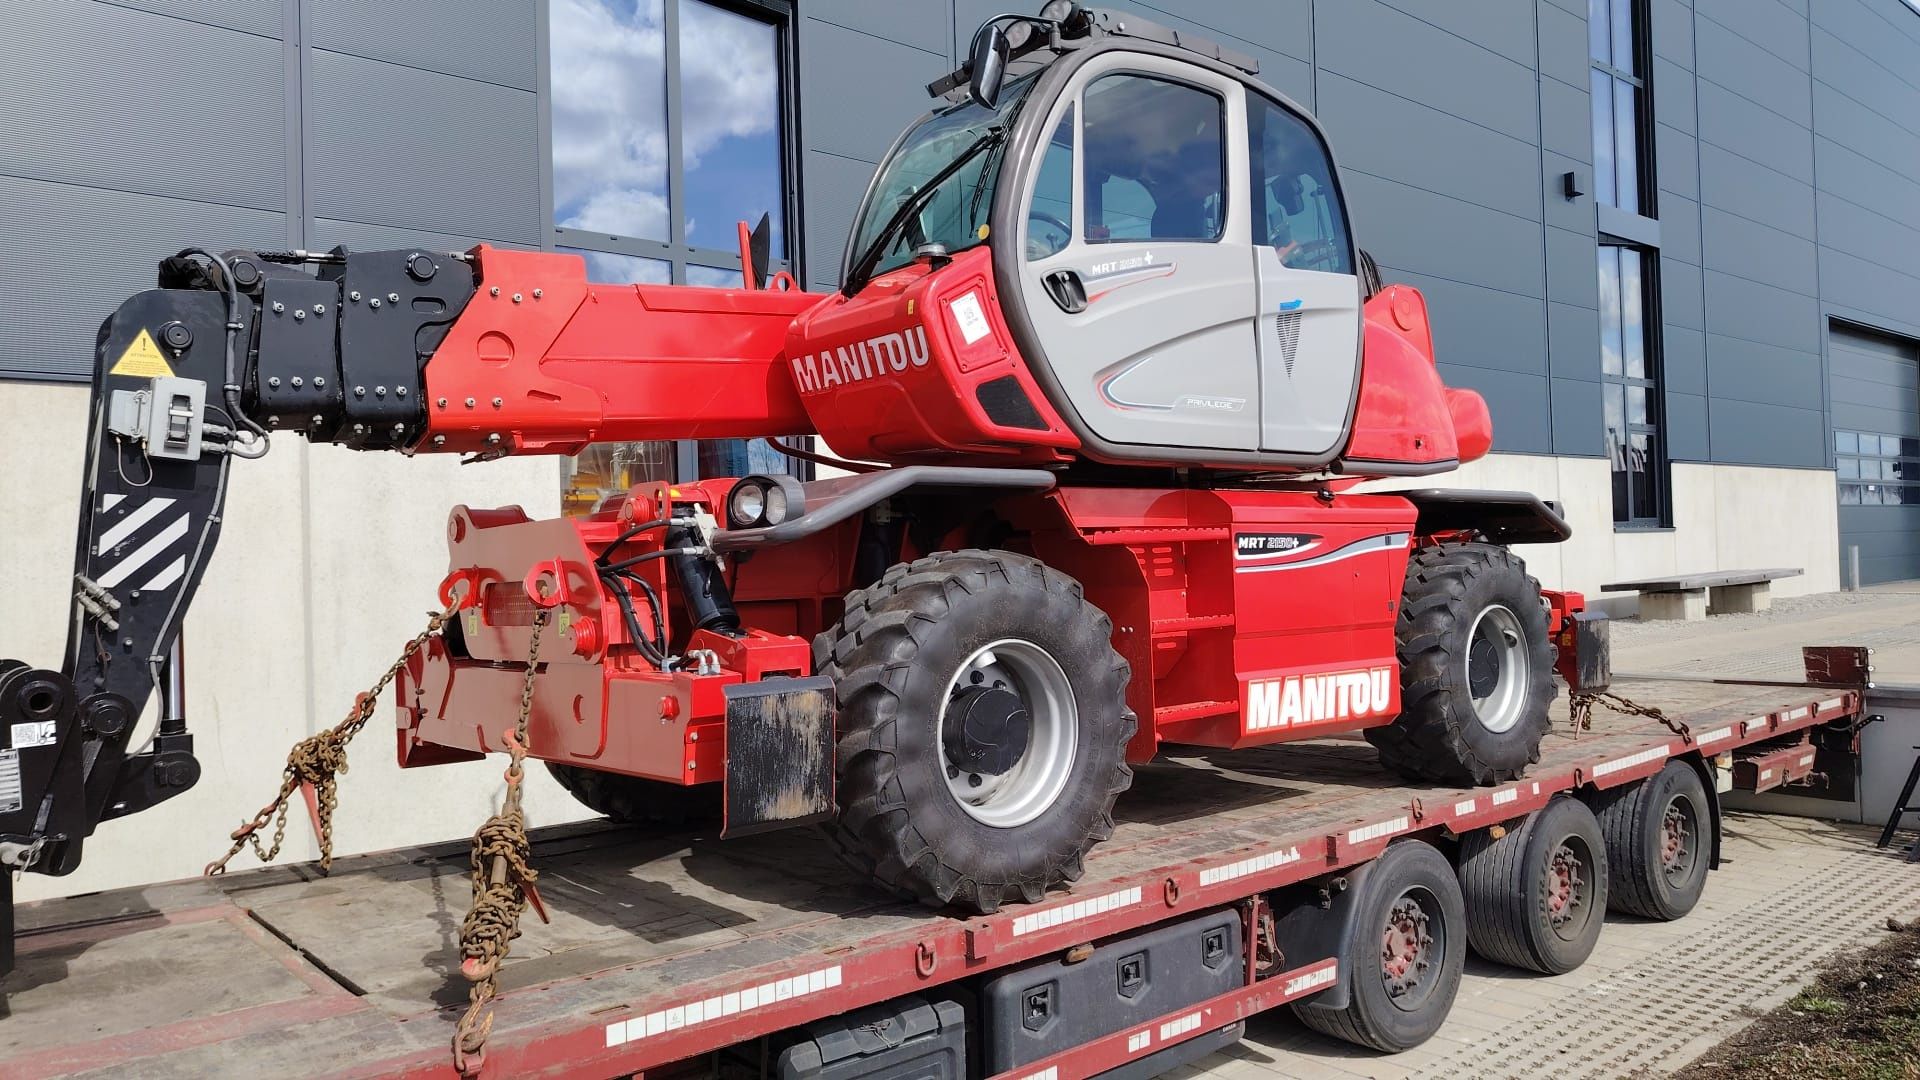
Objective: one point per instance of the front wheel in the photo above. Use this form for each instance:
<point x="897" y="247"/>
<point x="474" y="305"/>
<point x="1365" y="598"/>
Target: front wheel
<point x="1476" y="668"/>
<point x="983" y="728"/>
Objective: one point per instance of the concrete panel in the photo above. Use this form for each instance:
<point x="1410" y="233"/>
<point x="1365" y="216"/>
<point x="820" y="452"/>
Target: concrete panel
<point x="1573" y="215"/>
<point x="1501" y="26"/>
<point x="1869" y="287"/>
<point x="905" y="24"/>
<point x="840" y="70"/>
<point x="1686" y="428"/>
<point x="1673" y="31"/>
<point x="143" y="120"/>
<point x="1855" y="230"/>
<point x="1577" y="424"/>
<point x="1518" y="401"/>
<point x="1873" y="28"/>
<point x="1563" y="44"/>
<point x="1681" y="302"/>
<point x="1731" y="122"/>
<point x="1752" y="72"/>
<point x="1779" y="30"/>
<point x="1676" y="157"/>
<point x="1753" y="191"/>
<point x="1862" y="180"/>
<point x="88" y="249"/>
<point x="1433" y="234"/>
<point x="1565" y="124"/>
<point x="1673" y="95"/>
<point x="1766" y="374"/>
<point x="1573" y="342"/>
<point x="1858" y="128"/>
<point x="494" y="41"/>
<point x="1742" y="308"/>
<point x="1747" y="433"/>
<point x="1843" y="66"/>
<point x="1374" y="43"/>
<point x="461" y="158"/>
<point x="1572" y="276"/>
<point x="1680" y="228"/>
<point x="1375" y="132"/>
<point x="1740" y="246"/>
<point x="834" y="186"/>
<point x="1683" y="359"/>
<point x="1480" y="327"/>
<point x="1755" y="501"/>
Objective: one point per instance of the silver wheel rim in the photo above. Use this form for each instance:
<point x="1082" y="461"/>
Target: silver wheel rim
<point x="1500" y="708"/>
<point x="1035" y="781"/>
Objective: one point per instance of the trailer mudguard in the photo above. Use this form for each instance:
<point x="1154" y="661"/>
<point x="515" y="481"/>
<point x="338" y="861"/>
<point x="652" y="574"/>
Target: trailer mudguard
<point x="1321" y="924"/>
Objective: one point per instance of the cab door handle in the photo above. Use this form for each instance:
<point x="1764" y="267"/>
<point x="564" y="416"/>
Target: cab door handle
<point x="1067" y="290"/>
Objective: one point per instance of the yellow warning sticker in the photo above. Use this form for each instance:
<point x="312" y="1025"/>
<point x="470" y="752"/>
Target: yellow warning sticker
<point x="142" y="360"/>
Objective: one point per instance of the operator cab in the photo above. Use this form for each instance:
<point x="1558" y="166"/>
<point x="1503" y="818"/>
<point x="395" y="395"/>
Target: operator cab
<point x="1168" y="239"/>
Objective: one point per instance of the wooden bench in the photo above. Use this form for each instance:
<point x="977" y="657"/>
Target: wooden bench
<point x="1695" y="596"/>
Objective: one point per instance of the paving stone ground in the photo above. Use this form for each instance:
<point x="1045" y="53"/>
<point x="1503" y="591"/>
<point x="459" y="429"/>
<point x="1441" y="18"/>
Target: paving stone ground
<point x="1790" y="893"/>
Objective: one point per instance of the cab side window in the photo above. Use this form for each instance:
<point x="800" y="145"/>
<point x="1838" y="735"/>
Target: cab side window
<point x="1296" y="206"/>
<point x="1050" y="216"/>
<point x="1155" y="161"/>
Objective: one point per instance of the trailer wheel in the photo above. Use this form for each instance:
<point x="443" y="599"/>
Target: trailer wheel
<point x="1405" y="955"/>
<point x="1537" y="895"/>
<point x="632" y="800"/>
<point x="1476" y="668"/>
<point x="1658" y="833"/>
<point x="983" y="728"/>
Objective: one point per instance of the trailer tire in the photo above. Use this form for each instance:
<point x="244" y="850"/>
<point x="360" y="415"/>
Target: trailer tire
<point x="1658" y="837"/>
<point x="1537" y="895"/>
<point x="1465" y="605"/>
<point x="633" y="800"/>
<point x="1375" y="1016"/>
<point x="905" y="653"/>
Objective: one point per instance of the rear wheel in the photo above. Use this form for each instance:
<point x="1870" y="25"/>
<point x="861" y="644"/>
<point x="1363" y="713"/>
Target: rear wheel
<point x="1476" y="668"/>
<point x="1537" y="896"/>
<point x="1405" y="955"/>
<point x="983" y="727"/>
<point x="1658" y="836"/>
<point x="631" y="800"/>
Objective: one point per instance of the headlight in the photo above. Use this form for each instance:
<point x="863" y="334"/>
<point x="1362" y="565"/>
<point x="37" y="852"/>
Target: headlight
<point x="760" y="501"/>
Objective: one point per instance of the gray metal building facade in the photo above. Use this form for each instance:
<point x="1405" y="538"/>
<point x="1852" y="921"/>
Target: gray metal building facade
<point x="1781" y="154"/>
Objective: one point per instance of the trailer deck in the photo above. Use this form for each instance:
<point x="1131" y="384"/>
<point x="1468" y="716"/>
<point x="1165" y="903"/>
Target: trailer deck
<point x="665" y="945"/>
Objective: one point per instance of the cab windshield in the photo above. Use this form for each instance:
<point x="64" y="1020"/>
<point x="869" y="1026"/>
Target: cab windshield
<point x="955" y="215"/>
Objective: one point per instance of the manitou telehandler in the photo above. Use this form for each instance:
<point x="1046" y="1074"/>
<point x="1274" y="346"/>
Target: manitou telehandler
<point x="1106" y="370"/>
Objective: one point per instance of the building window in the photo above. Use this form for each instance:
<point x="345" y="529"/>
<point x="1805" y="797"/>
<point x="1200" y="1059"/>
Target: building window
<point x="1630" y="386"/>
<point x="1877" y="470"/>
<point x="1616" y="33"/>
<point x="669" y="125"/>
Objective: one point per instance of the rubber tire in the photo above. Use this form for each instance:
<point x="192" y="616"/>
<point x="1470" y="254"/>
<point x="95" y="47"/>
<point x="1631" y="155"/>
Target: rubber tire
<point x="1371" y="1018"/>
<point x="632" y="800"/>
<point x="891" y="656"/>
<point x="1504" y="884"/>
<point x="1632" y="819"/>
<point x="1436" y="737"/>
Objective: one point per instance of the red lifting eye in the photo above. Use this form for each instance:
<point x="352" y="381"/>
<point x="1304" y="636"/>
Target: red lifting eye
<point x="669" y="707"/>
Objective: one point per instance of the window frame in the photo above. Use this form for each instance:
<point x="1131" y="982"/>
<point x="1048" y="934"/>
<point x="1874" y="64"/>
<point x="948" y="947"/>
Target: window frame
<point x="1654" y="427"/>
<point x="1084" y="190"/>
<point x="675" y="251"/>
<point x="1640" y="22"/>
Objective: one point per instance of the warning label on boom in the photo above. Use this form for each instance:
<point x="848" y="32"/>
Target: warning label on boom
<point x="142" y="360"/>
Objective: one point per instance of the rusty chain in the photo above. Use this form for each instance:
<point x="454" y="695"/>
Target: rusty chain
<point x="503" y="884"/>
<point x="317" y="761"/>
<point x="1580" y="710"/>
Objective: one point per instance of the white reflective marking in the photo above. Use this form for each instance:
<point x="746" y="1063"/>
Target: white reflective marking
<point x="1175" y="1028"/>
<point x="145" y="553"/>
<point x="1377" y="830"/>
<point x="1502" y="798"/>
<point x="1051" y="1072"/>
<point x="1806" y="759"/>
<point x="1800" y="713"/>
<point x="1651" y="754"/>
<point x="1096" y="905"/>
<point x="1253" y="865"/>
<point x="1832" y="703"/>
<point x="1461" y="809"/>
<point x="1139" y="1041"/>
<point x="722" y="1005"/>
<point x="1300" y="984"/>
<point x="1715" y="735"/>
<point x="130" y="524"/>
<point x="108" y="502"/>
<point x="174" y="571"/>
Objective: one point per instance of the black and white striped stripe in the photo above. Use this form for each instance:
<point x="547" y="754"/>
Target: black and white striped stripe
<point x="132" y="548"/>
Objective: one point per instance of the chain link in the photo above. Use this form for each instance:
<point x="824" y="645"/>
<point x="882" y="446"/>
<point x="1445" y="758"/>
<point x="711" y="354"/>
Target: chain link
<point x="503" y="884"/>
<point x="1580" y="709"/>
<point x="318" y="761"/>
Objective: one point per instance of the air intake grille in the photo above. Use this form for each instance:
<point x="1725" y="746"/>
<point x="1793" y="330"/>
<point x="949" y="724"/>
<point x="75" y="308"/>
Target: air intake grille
<point x="1286" y="326"/>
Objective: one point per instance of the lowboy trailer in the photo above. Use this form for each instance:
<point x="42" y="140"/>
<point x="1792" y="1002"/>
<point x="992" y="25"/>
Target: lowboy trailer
<point x="1235" y="882"/>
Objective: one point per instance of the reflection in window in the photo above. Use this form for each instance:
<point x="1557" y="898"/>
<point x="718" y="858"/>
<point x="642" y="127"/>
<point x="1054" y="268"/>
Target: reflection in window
<point x="1050" y="215"/>
<point x="1630" y="389"/>
<point x="1877" y="470"/>
<point x="608" y="268"/>
<point x="604" y="470"/>
<point x="610" y="117"/>
<point x="1154" y="161"/>
<point x="714" y="277"/>
<point x="1618" y="84"/>
<point x="730" y="125"/>
<point x="1297" y="209"/>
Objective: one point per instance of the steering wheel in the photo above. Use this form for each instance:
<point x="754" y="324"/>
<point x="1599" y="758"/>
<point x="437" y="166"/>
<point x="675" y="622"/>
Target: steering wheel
<point x="1312" y="255"/>
<point x="1039" y="247"/>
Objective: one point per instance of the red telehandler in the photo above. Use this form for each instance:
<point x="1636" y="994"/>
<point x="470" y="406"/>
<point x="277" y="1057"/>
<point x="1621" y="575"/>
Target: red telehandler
<point x="1113" y="369"/>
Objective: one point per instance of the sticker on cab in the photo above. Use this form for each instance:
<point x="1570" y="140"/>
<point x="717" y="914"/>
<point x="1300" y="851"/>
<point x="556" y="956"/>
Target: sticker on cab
<point x="972" y="320"/>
